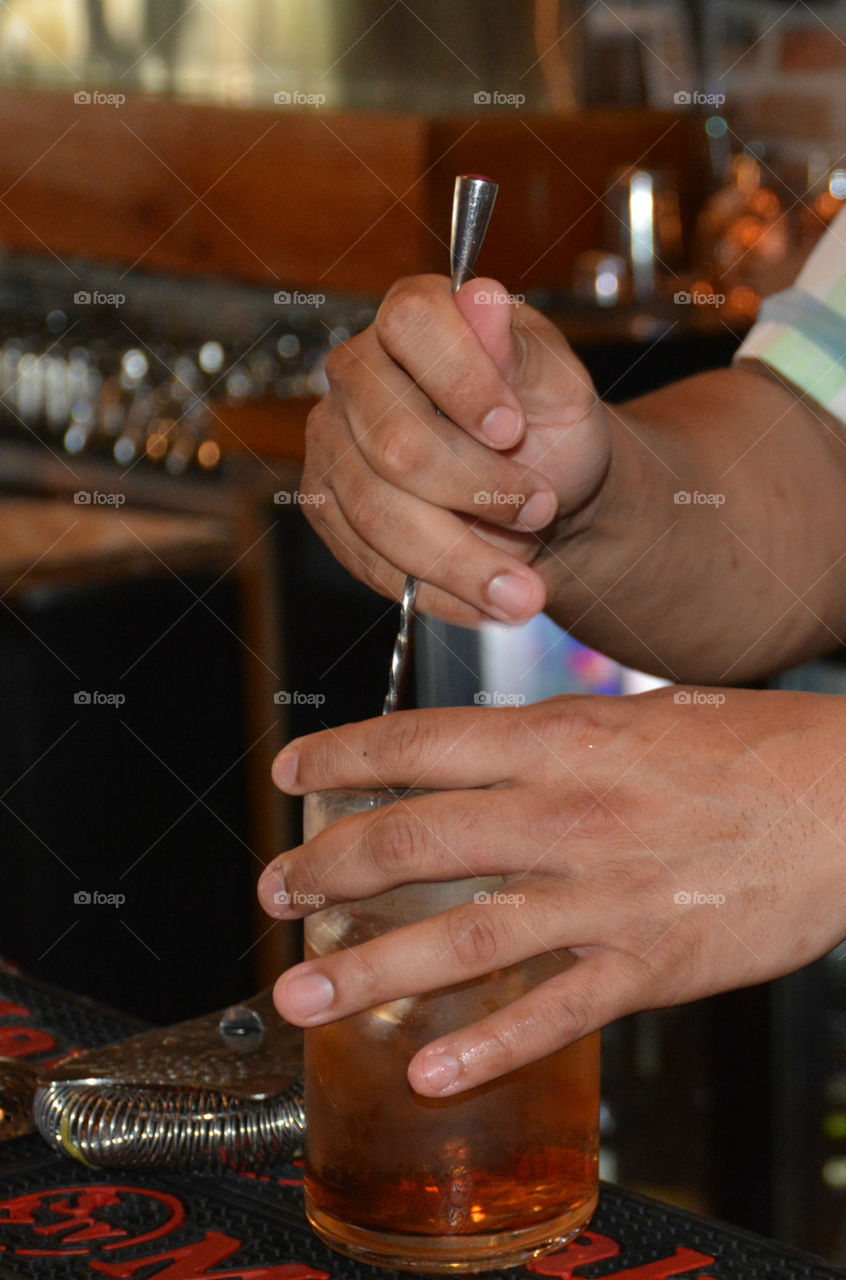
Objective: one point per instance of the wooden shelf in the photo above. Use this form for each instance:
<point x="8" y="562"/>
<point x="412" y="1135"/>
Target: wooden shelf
<point x="316" y="199"/>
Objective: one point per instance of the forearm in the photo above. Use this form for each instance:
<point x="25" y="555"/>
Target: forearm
<point x="746" y="579"/>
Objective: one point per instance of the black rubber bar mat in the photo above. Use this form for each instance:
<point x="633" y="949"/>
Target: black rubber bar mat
<point x="61" y="1221"/>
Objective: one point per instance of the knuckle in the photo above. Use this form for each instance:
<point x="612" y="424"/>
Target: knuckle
<point x="573" y="720"/>
<point x="397" y="450"/>
<point x="473" y="937"/>
<point x="395" y="842"/>
<point x="519" y="734"/>
<point x="320" y="759"/>
<point x="341" y="362"/>
<point x="594" y="821"/>
<point x="679" y="950"/>
<point x="568" y="1008"/>
<point x="405" y="310"/>
<point x="403" y="741"/>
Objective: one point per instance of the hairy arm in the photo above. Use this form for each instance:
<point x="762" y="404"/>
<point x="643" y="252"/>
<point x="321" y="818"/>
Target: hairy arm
<point x="747" y="578"/>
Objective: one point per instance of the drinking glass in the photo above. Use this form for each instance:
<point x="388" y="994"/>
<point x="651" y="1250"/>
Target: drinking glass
<point x="486" y="1179"/>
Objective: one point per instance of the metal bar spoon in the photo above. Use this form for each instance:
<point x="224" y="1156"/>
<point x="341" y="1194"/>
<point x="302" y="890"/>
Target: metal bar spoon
<point x="472" y="206"/>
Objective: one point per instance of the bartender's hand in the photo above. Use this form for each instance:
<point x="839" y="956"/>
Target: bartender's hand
<point x="676" y="848"/>
<point x="455" y="500"/>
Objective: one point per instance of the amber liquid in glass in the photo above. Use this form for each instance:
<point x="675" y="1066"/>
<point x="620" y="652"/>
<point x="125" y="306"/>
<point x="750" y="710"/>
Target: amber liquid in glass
<point x="486" y="1179"/>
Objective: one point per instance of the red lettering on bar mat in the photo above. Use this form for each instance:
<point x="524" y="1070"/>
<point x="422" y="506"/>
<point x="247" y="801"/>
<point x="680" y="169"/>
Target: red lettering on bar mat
<point x="61" y="1221"/>
<point x="598" y="1248"/>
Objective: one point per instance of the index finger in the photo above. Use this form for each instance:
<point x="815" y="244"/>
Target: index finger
<point x="449" y="747"/>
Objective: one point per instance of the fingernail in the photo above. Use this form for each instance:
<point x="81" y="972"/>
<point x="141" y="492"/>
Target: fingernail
<point x="439" y="1070"/>
<point x="284" y="770"/>
<point x="509" y="595"/>
<point x="310" y="994"/>
<point x="538" y="511"/>
<point x="274" y="896"/>
<point x="501" y="426"/>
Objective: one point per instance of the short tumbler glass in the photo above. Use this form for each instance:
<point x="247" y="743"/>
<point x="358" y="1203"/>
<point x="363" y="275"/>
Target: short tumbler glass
<point x="483" y="1180"/>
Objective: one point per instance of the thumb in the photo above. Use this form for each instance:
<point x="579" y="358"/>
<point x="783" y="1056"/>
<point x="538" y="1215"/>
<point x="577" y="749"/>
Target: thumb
<point x="567" y="437"/>
<point x="529" y="351"/>
<point x="491" y="311"/>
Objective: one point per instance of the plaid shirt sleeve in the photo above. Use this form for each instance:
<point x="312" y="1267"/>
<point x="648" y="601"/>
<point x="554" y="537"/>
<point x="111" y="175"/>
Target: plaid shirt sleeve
<point x="801" y="333"/>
